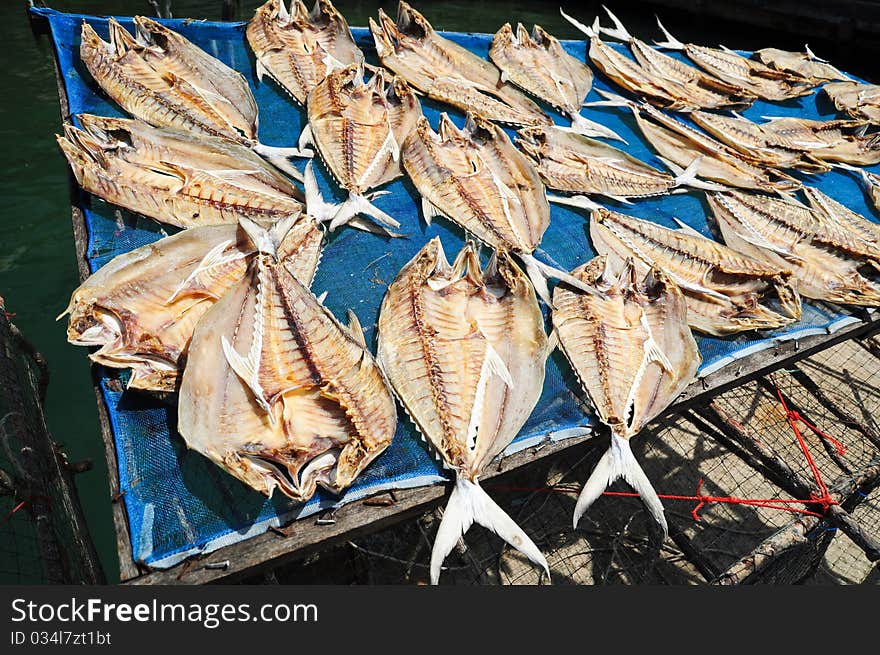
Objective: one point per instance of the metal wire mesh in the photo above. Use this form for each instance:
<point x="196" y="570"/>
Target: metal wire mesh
<point x="616" y="542"/>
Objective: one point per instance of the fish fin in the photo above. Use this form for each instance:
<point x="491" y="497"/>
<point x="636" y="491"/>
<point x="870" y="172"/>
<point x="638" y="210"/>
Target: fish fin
<point x="539" y="273"/>
<point x="495" y="364"/>
<point x="246" y="369"/>
<point x="358" y="204"/>
<point x="575" y="201"/>
<point x="505" y="77"/>
<point x="429" y="210"/>
<point x="619" y="462"/>
<point x="766" y="245"/>
<point x="619" y="32"/>
<point x="322" y="297"/>
<point x="214" y="257"/>
<point x="611" y="100"/>
<point x="261" y="71"/>
<point x="671" y="43"/>
<point x="281" y="151"/>
<point x="281" y="164"/>
<point x="586" y="127"/>
<point x="687" y="229"/>
<point x="619" y="199"/>
<point x="469" y="504"/>
<point x="305" y="137"/>
<point x="355" y="329"/>
<point x="259" y="236"/>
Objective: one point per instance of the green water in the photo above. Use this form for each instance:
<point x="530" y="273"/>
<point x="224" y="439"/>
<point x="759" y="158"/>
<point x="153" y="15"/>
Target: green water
<point x="37" y="264"/>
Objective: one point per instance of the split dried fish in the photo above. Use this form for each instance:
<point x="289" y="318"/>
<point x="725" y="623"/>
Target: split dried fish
<point x="870" y="182"/>
<point x="297" y="48"/>
<point x="624" y="71"/>
<point x="839" y="214"/>
<point x="725" y="289"/>
<point x="825" y="257"/>
<point x="447" y="72"/>
<point x="539" y="65"/>
<point x="175" y="177"/>
<point x="576" y="164"/>
<point x="141" y="308"/>
<point x="633" y="353"/>
<point x="694" y="88"/>
<point x="358" y="128"/>
<point x="464" y="350"/>
<point x="805" y="64"/>
<point x="166" y="81"/>
<point x="276" y="391"/>
<point x="756" y="142"/>
<point x="831" y="141"/>
<point x="858" y="100"/>
<point x="478" y="179"/>
<point x="679" y="145"/>
<point x="753" y="76"/>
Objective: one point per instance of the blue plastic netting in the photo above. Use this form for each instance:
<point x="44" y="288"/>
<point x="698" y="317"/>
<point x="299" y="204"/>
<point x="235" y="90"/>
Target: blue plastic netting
<point x="178" y="503"/>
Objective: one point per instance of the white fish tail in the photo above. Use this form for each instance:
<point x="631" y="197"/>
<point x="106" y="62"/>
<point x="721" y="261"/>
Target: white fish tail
<point x="357" y="204"/>
<point x="589" y="31"/>
<point x="671" y="43"/>
<point x="280" y="151"/>
<point x="585" y="126"/>
<point x="863" y="176"/>
<point x="619" y="462"/>
<point x="575" y="201"/>
<point x="619" y="32"/>
<point x="688" y="177"/>
<point x="539" y="273"/>
<point x="611" y="100"/>
<point x="281" y="163"/>
<point x="467" y="505"/>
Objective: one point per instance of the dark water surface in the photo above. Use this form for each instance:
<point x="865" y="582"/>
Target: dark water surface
<point x="37" y="263"/>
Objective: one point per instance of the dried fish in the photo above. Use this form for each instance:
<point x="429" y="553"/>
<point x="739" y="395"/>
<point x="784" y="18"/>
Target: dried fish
<point x="831" y="141"/>
<point x="836" y="213"/>
<point x="858" y="100"/>
<point x="755" y="141"/>
<point x="633" y="353"/>
<point x="166" y="81"/>
<point x="753" y="76"/>
<point x="447" y="72"/>
<point x="725" y="289"/>
<point x="870" y="182"/>
<point x="679" y="145"/>
<point x="694" y="88"/>
<point x="576" y="164"/>
<point x="175" y="177"/>
<point x="142" y="307"/>
<point x="464" y="350"/>
<point x="804" y="64"/>
<point x="825" y="257"/>
<point x="539" y="65"/>
<point x="297" y="48"/>
<point x="624" y="71"/>
<point x="358" y="128"/>
<point x="276" y="391"/>
<point x="478" y="179"/>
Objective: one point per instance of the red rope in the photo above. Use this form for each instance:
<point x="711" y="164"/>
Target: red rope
<point x="823" y="499"/>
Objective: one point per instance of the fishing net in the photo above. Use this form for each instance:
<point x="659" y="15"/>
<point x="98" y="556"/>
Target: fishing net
<point x="43" y="538"/>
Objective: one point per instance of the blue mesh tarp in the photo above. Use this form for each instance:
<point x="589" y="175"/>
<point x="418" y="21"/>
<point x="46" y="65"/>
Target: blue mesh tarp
<point x="178" y="503"/>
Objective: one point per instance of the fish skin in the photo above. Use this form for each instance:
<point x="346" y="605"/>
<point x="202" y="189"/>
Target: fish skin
<point x="539" y="65"/>
<point x="151" y="88"/>
<point x="477" y="178"/>
<point x="754" y="141"/>
<point x="829" y="141"/>
<point x="824" y="257"/>
<point x="861" y="101"/>
<point x="447" y="72"/>
<point x="737" y="282"/>
<point x="307" y="404"/>
<point x="577" y="164"/>
<point x="465" y="351"/>
<point x="175" y="177"/>
<point x="799" y="63"/>
<point x="358" y="127"/>
<point x="293" y="46"/>
<point x="141" y="308"/>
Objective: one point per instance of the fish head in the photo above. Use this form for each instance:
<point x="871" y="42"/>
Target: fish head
<point x="152" y="34"/>
<point x="533" y="141"/>
<point x="542" y="39"/>
<point x="447" y="131"/>
<point x="522" y="36"/>
<point x="324" y="14"/>
<point x="479" y="129"/>
<point x="91" y="43"/>
<point x="411" y="23"/>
